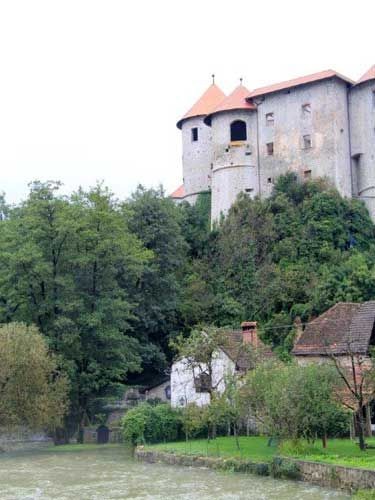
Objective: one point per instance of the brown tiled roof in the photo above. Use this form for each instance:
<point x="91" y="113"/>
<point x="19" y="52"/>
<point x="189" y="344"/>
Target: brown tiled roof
<point x="235" y="100"/>
<point x="205" y="104"/>
<point x="179" y="192"/>
<point x="345" y="327"/>
<point x="238" y="352"/>
<point x="369" y="75"/>
<point x="303" y="80"/>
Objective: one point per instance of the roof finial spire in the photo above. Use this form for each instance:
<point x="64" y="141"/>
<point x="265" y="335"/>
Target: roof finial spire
<point x="241" y="80"/>
<point x="213" y="79"/>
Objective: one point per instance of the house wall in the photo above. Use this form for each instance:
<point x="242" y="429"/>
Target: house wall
<point x="362" y="126"/>
<point x="158" y="392"/>
<point x="327" y="124"/>
<point x="234" y="164"/>
<point x="196" y="158"/>
<point x="182" y="380"/>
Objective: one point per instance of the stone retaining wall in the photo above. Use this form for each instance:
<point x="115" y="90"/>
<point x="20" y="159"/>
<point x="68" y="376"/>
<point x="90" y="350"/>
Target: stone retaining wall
<point x="331" y="476"/>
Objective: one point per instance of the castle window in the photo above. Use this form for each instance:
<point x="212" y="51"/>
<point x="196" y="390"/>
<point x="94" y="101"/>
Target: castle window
<point x="248" y="190"/>
<point x="238" y="131"/>
<point x="307" y="174"/>
<point x="270" y="119"/>
<point x="269" y="146"/>
<point x="269" y="180"/>
<point x="306" y="109"/>
<point x="307" y="144"/>
<point x="194" y="134"/>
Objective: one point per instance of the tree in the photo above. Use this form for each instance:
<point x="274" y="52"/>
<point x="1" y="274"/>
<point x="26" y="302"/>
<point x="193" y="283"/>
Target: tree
<point x="357" y="373"/>
<point x="64" y="262"/>
<point x="33" y="390"/>
<point x="155" y="220"/>
<point x="292" y="402"/>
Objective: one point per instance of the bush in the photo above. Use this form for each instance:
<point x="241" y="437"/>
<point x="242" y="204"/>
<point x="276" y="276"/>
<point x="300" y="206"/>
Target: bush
<point x="151" y="424"/>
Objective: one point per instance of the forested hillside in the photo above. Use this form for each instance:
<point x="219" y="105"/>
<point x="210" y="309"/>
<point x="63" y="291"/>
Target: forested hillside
<point x="110" y="282"/>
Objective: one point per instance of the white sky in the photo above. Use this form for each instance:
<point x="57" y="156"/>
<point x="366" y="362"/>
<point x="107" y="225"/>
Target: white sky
<point x="92" y="89"/>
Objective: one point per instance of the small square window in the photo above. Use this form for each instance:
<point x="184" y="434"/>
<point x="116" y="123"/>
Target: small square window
<point x="306" y="109"/>
<point x="269" y="180"/>
<point x="194" y="134"/>
<point x="307" y="144"/>
<point x="307" y="174"/>
<point x="270" y="119"/>
<point x="269" y="148"/>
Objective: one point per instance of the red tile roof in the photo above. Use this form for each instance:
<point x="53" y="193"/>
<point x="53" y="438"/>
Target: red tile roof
<point x="235" y="100"/>
<point x="303" y="80"/>
<point x="179" y="192"/>
<point x="369" y="75"/>
<point x="347" y="326"/>
<point x="205" y="104"/>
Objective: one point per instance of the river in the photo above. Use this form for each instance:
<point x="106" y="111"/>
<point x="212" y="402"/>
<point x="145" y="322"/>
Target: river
<point x="110" y="473"/>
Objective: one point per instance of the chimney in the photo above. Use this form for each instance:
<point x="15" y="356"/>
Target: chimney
<point x="249" y="333"/>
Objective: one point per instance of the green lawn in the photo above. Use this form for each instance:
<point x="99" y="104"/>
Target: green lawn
<point x="339" y="451"/>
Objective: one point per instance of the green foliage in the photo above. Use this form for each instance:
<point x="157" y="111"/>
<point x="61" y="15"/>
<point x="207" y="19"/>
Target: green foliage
<point x="151" y="424"/>
<point x="33" y="391"/>
<point x="293" y="402"/>
<point x="284" y="468"/>
<point x="255" y="263"/>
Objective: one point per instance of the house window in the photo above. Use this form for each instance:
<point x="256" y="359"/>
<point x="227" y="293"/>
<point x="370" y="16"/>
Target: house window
<point x="270" y="119"/>
<point x="238" y="131"/>
<point x="306" y="109"/>
<point x="202" y="382"/>
<point x="194" y="134"/>
<point x="307" y="174"/>
<point x="307" y="141"/>
<point x="269" y="148"/>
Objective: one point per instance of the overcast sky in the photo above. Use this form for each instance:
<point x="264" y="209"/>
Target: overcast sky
<point x="92" y="90"/>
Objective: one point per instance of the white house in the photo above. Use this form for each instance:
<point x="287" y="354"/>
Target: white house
<point x="189" y="385"/>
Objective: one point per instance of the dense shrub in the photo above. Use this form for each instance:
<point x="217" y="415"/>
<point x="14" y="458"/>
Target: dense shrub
<point x="151" y="424"/>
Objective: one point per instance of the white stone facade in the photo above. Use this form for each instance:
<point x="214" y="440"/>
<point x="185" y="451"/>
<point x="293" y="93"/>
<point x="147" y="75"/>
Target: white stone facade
<point x="323" y="128"/>
<point x="183" y="390"/>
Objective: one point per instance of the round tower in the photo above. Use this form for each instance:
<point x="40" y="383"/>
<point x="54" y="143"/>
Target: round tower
<point x="197" y="144"/>
<point x="235" y="158"/>
<point x="361" y="108"/>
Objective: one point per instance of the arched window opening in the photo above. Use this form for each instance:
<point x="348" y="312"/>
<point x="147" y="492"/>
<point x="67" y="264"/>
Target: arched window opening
<point x="238" y="131"/>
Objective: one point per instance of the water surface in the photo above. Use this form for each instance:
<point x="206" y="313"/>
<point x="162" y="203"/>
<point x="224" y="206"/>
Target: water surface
<point x="107" y="473"/>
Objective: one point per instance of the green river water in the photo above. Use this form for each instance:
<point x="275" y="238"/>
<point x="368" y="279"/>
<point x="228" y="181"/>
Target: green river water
<point x="110" y="473"/>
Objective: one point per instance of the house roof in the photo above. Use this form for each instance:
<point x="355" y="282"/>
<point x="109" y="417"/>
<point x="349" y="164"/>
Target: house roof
<point x="345" y="327"/>
<point x="179" y="192"/>
<point x="303" y="80"/>
<point x="205" y="104"/>
<point x="237" y="351"/>
<point x="369" y="75"/>
<point x="235" y="100"/>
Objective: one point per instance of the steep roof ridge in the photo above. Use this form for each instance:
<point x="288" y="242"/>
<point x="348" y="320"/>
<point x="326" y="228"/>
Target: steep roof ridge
<point x="205" y="104"/>
<point x="369" y="75"/>
<point x="237" y="99"/>
<point x="295" y="82"/>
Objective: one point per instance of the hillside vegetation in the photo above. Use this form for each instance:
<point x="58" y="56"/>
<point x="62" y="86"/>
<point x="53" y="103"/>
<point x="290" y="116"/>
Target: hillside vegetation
<point x="109" y="282"/>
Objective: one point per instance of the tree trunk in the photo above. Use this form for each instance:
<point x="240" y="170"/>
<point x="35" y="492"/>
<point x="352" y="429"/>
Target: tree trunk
<point x="324" y="440"/>
<point x="361" y="430"/>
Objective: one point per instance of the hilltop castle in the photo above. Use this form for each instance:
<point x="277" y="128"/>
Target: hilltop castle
<point x="320" y="125"/>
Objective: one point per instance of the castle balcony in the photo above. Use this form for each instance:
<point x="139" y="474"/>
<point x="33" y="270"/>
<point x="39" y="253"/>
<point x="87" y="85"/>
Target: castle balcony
<point x="235" y="153"/>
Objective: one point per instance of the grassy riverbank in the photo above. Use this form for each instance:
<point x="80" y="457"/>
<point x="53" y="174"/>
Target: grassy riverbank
<point x="339" y="451"/>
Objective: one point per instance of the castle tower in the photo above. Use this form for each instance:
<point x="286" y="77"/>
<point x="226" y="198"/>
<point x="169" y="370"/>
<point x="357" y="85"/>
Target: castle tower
<point x="362" y="123"/>
<point x="234" y="141"/>
<point x="197" y="144"/>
